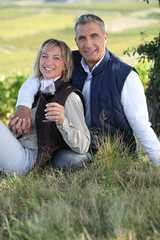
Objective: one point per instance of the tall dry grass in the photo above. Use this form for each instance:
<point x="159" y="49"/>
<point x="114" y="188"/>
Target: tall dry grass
<point x="116" y="197"/>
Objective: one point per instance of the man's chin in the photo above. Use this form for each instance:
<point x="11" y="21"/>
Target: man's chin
<point x="91" y="60"/>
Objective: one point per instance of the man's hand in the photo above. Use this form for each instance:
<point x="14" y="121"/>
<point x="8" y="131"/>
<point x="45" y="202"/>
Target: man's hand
<point x="21" y="121"/>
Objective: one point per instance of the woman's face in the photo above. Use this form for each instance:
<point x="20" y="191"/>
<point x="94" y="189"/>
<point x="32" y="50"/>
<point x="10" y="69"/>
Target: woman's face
<point x="51" y="63"/>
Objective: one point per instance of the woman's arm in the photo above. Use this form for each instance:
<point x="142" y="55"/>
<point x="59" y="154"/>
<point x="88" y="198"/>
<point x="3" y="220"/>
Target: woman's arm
<point x="74" y="129"/>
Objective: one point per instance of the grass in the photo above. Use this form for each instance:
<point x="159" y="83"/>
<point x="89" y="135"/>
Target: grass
<point x="117" y="197"/>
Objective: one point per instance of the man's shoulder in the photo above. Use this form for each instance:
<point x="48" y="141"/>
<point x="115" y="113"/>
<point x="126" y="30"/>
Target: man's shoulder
<point x="118" y="60"/>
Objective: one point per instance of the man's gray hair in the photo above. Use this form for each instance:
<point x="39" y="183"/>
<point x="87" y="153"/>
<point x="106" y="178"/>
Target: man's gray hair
<point x="86" y="18"/>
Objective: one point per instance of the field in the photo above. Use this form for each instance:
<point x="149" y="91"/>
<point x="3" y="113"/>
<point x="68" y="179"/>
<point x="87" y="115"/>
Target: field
<point x="117" y="197"/>
<point x="22" y="29"/>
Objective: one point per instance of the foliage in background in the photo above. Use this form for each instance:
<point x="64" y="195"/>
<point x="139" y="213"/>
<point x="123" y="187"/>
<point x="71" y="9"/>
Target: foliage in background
<point x="149" y="1"/>
<point x="142" y="68"/>
<point x="150" y="51"/>
<point x="9" y="87"/>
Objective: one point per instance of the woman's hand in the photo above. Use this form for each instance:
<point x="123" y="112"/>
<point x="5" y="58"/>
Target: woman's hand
<point x="20" y="122"/>
<point x="55" y="111"/>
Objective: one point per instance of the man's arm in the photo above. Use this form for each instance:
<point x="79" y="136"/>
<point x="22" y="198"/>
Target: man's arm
<point x="21" y="121"/>
<point x="134" y="103"/>
<point x="27" y="92"/>
<point x="24" y="103"/>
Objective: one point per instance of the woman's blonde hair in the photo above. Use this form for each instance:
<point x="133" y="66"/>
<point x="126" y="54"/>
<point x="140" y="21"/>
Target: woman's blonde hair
<point x="66" y="55"/>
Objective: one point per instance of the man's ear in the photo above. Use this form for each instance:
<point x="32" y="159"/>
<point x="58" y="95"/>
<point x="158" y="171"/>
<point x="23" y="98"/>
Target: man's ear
<point x="75" y="41"/>
<point x="106" y="37"/>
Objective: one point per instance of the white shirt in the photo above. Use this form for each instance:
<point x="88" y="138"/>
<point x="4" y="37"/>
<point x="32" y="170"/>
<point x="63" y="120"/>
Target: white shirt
<point x="133" y="101"/>
<point x="86" y="89"/>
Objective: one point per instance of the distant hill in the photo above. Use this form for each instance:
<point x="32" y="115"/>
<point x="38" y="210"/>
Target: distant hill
<point x="36" y="2"/>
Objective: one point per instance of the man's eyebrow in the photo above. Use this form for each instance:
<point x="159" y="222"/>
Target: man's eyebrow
<point x="92" y="34"/>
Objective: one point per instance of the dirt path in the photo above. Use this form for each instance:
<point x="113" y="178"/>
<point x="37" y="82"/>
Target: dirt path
<point x="133" y="20"/>
<point x="125" y="23"/>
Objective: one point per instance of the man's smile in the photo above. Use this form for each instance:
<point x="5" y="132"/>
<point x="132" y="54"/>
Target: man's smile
<point x="90" y="51"/>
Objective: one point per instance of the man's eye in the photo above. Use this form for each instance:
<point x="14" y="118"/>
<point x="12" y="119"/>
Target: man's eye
<point x="94" y="35"/>
<point x="82" y="38"/>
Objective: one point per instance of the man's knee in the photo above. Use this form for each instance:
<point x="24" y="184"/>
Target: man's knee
<point x="65" y="159"/>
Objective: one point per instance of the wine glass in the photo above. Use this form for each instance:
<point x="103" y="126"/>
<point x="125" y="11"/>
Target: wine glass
<point x="47" y="94"/>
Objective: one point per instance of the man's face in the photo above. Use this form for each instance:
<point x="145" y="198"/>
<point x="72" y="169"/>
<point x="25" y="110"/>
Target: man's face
<point x="91" y="42"/>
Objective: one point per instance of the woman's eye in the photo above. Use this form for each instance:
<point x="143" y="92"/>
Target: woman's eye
<point x="56" y="58"/>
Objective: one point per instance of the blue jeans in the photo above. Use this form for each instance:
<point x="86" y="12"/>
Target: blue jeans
<point x="66" y="158"/>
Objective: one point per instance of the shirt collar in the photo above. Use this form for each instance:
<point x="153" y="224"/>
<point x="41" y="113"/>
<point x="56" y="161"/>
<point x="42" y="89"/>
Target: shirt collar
<point x="85" y="65"/>
<point x="47" y="82"/>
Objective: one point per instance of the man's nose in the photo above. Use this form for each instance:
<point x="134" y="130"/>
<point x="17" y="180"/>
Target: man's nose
<point x="88" y="42"/>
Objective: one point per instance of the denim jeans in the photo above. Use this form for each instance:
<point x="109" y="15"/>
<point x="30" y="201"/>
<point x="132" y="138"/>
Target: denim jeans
<point x="66" y="158"/>
<point x="13" y="157"/>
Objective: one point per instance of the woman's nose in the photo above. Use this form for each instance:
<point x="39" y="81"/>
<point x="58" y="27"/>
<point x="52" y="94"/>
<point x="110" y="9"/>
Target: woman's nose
<point x="49" y="61"/>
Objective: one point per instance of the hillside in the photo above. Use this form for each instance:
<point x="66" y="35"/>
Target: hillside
<point x="23" y="28"/>
<point x="10" y="3"/>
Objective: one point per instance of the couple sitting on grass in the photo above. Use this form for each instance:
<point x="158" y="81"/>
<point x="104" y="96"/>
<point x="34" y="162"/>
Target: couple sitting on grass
<point x="67" y="121"/>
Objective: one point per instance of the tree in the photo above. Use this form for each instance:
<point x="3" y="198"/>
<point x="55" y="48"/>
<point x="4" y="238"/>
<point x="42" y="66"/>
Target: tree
<point x="148" y="1"/>
<point x="151" y="52"/>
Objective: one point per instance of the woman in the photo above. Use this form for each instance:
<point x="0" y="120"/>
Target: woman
<point x="65" y="139"/>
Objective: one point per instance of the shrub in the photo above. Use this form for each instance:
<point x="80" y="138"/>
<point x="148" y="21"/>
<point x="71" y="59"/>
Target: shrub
<point x="9" y="87"/>
<point x="150" y="51"/>
<point x="142" y="68"/>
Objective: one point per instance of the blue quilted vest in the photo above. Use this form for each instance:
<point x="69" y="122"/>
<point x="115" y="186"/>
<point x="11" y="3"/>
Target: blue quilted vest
<point x="108" y="78"/>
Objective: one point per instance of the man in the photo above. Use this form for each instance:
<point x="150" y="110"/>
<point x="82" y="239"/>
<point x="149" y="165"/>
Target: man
<point x="114" y="95"/>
